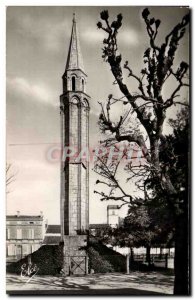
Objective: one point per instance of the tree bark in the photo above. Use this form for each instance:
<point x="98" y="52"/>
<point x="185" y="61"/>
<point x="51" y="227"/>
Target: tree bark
<point x="181" y="261"/>
<point x="148" y="258"/>
<point x="160" y="255"/>
<point x="154" y="145"/>
<point x="132" y="255"/>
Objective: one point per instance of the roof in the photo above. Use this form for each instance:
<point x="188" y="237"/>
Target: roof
<point x="51" y="240"/>
<point x="23" y="217"/>
<point x="98" y="226"/>
<point x="53" y="229"/>
<point x="74" y="59"/>
<point x="113" y="207"/>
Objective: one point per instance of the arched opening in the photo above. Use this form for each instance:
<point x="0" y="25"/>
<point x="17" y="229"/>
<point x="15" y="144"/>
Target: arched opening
<point x="73" y="83"/>
<point x="74" y="100"/>
<point x="85" y="103"/>
<point x="83" y="85"/>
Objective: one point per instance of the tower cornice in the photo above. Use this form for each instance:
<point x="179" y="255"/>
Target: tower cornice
<point x="73" y="70"/>
<point x="76" y="93"/>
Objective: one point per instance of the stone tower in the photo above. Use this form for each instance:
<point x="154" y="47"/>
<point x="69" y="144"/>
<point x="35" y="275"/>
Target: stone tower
<point x="112" y="215"/>
<point x="74" y="109"/>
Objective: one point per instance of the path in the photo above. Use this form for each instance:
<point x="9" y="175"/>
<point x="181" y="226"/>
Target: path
<point x="143" y="283"/>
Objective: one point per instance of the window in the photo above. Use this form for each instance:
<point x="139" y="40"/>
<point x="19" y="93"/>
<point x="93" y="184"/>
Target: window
<point x="113" y="212"/>
<point x="19" y="233"/>
<point x="73" y="83"/>
<point x="83" y="85"/>
<point x="31" y="233"/>
<point x="74" y="101"/>
<point x="8" y="233"/>
<point x="10" y="250"/>
<point x="31" y="222"/>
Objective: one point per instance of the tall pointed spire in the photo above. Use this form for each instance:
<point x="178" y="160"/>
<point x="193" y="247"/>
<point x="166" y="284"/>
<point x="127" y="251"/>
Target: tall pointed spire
<point x="74" y="59"/>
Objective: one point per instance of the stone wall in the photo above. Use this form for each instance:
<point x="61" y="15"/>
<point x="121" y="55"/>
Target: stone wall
<point x="74" y="172"/>
<point x="75" y="256"/>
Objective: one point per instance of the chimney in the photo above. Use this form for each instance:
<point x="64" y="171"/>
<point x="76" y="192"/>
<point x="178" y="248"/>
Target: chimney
<point x="41" y="213"/>
<point x="18" y="213"/>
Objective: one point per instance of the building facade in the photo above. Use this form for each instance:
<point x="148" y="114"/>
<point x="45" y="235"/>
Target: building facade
<point x="24" y="235"/>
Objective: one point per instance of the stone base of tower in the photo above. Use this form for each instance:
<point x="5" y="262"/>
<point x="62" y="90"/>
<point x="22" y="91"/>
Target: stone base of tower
<point x="75" y="255"/>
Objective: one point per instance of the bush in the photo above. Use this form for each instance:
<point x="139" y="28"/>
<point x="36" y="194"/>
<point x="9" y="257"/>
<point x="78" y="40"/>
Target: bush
<point x="103" y="259"/>
<point x="98" y="263"/>
<point x="48" y="258"/>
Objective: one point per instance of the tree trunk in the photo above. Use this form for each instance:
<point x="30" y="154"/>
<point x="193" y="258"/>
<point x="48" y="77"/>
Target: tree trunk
<point x="127" y="264"/>
<point x="160" y="256"/>
<point x="154" y="145"/>
<point x="181" y="261"/>
<point x="148" y="258"/>
<point x="132" y="255"/>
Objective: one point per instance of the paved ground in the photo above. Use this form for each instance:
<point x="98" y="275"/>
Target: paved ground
<point x="136" y="283"/>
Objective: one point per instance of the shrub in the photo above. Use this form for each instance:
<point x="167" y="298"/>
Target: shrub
<point x="48" y="258"/>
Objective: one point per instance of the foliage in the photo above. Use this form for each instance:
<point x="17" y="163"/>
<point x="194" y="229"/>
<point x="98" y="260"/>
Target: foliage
<point x="48" y="258"/>
<point x="98" y="263"/>
<point x="103" y="260"/>
<point x="174" y="159"/>
<point x="152" y="222"/>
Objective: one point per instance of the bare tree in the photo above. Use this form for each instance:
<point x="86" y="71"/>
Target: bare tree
<point x="150" y="105"/>
<point x="10" y="176"/>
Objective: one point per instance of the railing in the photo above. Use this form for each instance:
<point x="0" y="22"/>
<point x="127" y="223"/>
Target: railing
<point x="164" y="261"/>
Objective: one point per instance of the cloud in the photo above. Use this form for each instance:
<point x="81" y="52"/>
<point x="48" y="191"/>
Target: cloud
<point x="48" y="32"/>
<point x="92" y="35"/>
<point x="57" y="35"/>
<point x="32" y="91"/>
<point x="129" y="37"/>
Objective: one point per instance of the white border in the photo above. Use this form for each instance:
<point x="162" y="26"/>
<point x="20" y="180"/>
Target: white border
<point x="3" y="5"/>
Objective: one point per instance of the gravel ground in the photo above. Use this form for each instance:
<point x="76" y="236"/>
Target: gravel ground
<point x="135" y="283"/>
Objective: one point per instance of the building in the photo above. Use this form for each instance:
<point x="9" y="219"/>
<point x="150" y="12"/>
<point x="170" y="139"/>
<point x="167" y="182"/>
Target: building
<point x="112" y="215"/>
<point x="24" y="235"/>
<point x="74" y="110"/>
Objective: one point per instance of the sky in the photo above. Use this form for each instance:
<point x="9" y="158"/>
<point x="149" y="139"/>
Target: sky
<point x="37" y="40"/>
